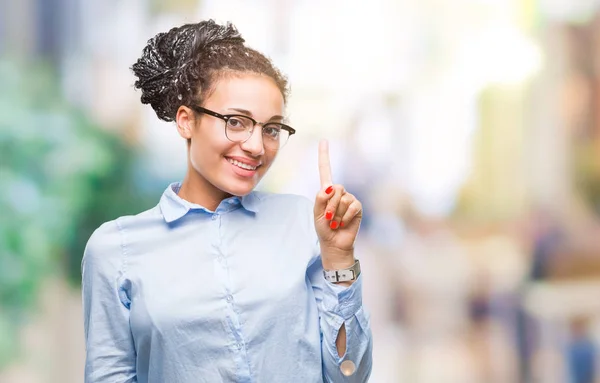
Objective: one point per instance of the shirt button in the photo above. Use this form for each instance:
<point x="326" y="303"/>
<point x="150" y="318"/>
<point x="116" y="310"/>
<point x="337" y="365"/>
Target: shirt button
<point x="215" y="216"/>
<point x="229" y="298"/>
<point x="239" y="346"/>
<point x="348" y="367"/>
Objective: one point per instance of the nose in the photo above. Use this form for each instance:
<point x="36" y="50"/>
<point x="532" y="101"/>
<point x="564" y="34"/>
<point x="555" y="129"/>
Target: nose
<point x="254" y="144"/>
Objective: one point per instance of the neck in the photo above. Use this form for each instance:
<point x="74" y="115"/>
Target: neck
<point x="196" y="189"/>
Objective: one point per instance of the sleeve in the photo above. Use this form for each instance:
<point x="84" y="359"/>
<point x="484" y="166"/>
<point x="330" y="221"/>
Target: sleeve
<point x="110" y="351"/>
<point x="342" y="305"/>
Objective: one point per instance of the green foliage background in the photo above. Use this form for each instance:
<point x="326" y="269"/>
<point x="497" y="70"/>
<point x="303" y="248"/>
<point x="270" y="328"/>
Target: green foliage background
<point x="61" y="176"/>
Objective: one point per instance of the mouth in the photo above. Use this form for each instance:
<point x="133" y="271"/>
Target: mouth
<point x="242" y="168"/>
<point x="243" y="165"/>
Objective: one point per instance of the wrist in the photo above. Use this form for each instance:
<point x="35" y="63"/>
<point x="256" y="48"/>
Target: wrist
<point x="345" y="275"/>
<point x="335" y="259"/>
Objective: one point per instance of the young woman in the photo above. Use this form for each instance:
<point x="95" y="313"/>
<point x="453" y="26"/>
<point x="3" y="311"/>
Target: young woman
<point x="220" y="283"/>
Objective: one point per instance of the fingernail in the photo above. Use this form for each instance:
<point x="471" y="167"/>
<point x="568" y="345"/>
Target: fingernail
<point x="328" y="215"/>
<point x="341" y="224"/>
<point x="329" y="190"/>
<point x="333" y="225"/>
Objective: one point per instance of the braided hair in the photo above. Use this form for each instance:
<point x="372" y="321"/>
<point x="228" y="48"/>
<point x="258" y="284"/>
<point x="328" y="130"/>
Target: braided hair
<point x="180" y="67"/>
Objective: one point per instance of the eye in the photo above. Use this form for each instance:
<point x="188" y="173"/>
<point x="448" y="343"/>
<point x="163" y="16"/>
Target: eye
<point x="238" y="123"/>
<point x="272" y="130"/>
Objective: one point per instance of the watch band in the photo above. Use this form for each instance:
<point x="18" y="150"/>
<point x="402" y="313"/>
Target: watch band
<point x="343" y="275"/>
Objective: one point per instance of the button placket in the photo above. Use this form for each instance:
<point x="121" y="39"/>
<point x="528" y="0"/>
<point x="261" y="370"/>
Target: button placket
<point x="222" y="266"/>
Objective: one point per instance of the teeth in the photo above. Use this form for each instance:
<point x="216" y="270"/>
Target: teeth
<point x="241" y="165"/>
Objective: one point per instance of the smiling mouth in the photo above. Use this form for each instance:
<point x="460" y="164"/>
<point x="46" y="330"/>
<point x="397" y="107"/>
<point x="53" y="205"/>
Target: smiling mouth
<point x="242" y="165"/>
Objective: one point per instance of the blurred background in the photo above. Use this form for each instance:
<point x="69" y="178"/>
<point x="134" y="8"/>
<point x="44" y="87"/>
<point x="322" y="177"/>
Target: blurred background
<point x="470" y="129"/>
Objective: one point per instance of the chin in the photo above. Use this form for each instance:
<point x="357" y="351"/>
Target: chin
<point x="241" y="189"/>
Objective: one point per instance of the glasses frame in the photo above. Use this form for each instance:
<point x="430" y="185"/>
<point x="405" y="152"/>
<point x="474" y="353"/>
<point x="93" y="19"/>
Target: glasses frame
<point x="226" y="117"/>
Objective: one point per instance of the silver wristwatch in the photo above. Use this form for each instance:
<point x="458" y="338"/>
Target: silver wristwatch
<point x="343" y="275"/>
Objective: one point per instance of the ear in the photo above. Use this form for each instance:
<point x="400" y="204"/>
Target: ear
<point x="185" y="120"/>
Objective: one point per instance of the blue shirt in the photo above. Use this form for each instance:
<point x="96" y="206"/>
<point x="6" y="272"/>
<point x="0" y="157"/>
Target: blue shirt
<point x="180" y="293"/>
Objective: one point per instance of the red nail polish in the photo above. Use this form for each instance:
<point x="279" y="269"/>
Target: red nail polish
<point x="328" y="215"/>
<point x="334" y="225"/>
<point x="329" y="190"/>
<point x="342" y="224"/>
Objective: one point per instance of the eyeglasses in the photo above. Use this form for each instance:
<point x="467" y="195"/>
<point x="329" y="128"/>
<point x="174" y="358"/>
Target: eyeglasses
<point x="239" y="128"/>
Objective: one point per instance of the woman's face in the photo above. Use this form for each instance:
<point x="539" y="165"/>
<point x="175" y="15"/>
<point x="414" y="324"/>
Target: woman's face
<point x="215" y="158"/>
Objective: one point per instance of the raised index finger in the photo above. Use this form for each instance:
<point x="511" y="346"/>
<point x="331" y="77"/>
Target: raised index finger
<point x="324" y="166"/>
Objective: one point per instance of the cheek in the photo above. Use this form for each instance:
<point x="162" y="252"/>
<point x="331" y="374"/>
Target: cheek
<point x="272" y="155"/>
<point x="268" y="161"/>
<point x="206" y="153"/>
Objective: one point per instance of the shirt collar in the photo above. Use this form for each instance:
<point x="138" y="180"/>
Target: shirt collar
<point x="174" y="207"/>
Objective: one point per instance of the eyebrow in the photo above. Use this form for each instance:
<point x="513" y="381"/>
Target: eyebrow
<point x="249" y="113"/>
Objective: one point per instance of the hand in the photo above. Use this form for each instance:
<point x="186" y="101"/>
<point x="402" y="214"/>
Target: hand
<point x="337" y="217"/>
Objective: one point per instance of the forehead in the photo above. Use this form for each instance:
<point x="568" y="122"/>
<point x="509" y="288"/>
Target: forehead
<point x="256" y="93"/>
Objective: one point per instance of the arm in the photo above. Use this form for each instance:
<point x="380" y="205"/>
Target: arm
<point x="345" y="329"/>
<point x="346" y="336"/>
<point x="110" y="351"/>
<point x="345" y="263"/>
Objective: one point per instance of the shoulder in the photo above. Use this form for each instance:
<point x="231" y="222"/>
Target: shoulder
<point x="292" y="208"/>
<point x="284" y="203"/>
<point x="105" y="245"/>
<point x="109" y="233"/>
<point x="286" y="199"/>
<point x="103" y="249"/>
<point x="103" y="238"/>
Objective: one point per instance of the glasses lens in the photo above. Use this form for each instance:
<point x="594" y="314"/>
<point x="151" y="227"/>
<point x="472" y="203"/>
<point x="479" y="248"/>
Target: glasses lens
<point x="275" y="136"/>
<point x="238" y="128"/>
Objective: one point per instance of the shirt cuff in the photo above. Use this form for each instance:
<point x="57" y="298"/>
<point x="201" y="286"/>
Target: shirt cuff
<point x="344" y="301"/>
